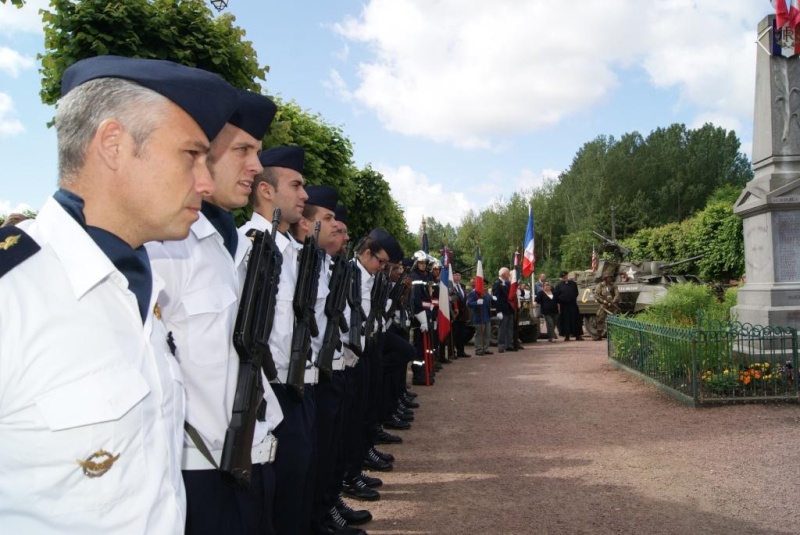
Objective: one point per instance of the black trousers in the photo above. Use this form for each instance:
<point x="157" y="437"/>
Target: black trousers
<point x="215" y="507"/>
<point x="354" y="428"/>
<point x="459" y="335"/>
<point x="347" y="441"/>
<point x="295" y="461"/>
<point x="329" y="393"/>
<point x="397" y="353"/>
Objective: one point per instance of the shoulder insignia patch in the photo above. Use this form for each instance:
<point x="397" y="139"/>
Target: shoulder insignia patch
<point x="15" y="248"/>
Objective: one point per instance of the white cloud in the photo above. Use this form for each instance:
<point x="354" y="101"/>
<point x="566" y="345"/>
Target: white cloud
<point x="8" y="125"/>
<point x="7" y="207"/>
<point x="528" y="179"/>
<point x="22" y="20"/>
<point x="419" y="198"/>
<point x="471" y="73"/>
<point x="336" y="83"/>
<point x="12" y="62"/>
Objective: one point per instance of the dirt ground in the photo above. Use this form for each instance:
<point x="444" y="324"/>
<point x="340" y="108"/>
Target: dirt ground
<point x="552" y="439"/>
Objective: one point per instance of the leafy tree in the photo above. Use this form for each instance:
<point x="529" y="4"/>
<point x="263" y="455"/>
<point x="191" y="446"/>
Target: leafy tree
<point x="576" y="250"/>
<point x="373" y="206"/>
<point x="185" y="32"/>
<point x="718" y="235"/>
<point x="329" y="153"/>
<point x="18" y="3"/>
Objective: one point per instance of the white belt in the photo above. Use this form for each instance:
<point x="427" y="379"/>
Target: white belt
<point x="263" y="452"/>
<point x="338" y="364"/>
<point x="350" y="359"/>
<point x="310" y="377"/>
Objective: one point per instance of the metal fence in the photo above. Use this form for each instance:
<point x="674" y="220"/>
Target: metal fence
<point x="716" y="362"/>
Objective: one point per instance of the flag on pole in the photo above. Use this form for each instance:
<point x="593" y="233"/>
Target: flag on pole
<point x="478" y="274"/>
<point x="512" y="290"/>
<point x="424" y="237"/>
<point x="594" y="259"/>
<point x="786" y="15"/>
<point x="786" y="41"/>
<point x="529" y="259"/>
<point x="444" y="298"/>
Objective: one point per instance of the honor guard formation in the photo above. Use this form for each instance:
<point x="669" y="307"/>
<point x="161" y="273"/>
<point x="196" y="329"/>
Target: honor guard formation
<point x="163" y="371"/>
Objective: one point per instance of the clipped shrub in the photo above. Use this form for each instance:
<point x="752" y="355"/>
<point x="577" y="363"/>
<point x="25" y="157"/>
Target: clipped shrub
<point x="679" y="307"/>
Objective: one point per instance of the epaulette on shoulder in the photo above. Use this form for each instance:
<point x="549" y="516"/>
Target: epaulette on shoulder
<point x="15" y="248"/>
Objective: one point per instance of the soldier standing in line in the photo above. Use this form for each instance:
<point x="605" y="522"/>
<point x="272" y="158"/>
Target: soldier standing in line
<point x="204" y="275"/>
<point x="421" y="304"/>
<point x="348" y="436"/>
<point x="92" y="403"/>
<point x="281" y="185"/>
<point x="607" y="296"/>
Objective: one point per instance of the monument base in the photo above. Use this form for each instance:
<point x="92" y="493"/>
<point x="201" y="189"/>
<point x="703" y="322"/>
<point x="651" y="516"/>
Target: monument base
<point x="768" y="304"/>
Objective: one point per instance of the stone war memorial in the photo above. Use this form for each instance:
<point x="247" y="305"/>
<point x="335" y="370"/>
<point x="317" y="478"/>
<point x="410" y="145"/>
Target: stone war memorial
<point x="770" y="203"/>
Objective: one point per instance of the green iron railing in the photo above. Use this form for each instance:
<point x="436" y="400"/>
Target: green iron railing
<point x="712" y="363"/>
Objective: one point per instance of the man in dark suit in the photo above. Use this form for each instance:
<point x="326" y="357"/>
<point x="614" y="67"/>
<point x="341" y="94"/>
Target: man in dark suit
<point x="569" y="317"/>
<point x="461" y="315"/>
<point x="505" y="331"/>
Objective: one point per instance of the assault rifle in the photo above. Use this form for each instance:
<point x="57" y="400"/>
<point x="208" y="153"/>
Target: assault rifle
<point x="356" y="310"/>
<point x="334" y="310"/>
<point x="251" y="340"/>
<point x="378" y="297"/>
<point x="397" y="295"/>
<point x="305" y="324"/>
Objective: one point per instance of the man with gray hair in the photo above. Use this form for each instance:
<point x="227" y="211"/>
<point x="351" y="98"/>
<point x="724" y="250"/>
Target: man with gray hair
<point x="91" y="412"/>
<point x="505" y="315"/>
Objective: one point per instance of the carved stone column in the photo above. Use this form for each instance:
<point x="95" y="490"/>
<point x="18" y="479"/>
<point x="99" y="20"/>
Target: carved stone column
<point x="770" y="203"/>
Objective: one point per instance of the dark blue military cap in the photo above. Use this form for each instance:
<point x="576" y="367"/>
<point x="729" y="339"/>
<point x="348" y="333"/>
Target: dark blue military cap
<point x="388" y="243"/>
<point x="324" y="196"/>
<point x="290" y="156"/>
<point x="206" y="97"/>
<point x="254" y="113"/>
<point x="341" y="213"/>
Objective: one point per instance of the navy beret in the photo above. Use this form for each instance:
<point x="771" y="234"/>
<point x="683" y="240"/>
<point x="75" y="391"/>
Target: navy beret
<point x="388" y="243"/>
<point x="206" y="97"/>
<point x="290" y="156"/>
<point x="254" y="113"/>
<point x="324" y="196"/>
<point x="341" y="213"/>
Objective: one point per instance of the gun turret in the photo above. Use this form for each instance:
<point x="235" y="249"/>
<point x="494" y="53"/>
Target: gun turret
<point x="609" y="245"/>
<point x="665" y="268"/>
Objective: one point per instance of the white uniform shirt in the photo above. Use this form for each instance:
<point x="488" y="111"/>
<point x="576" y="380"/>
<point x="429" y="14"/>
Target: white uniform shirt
<point x="280" y="339"/>
<point x="201" y="299"/>
<point x="367" y="281"/>
<point x="323" y="289"/>
<point x="79" y="373"/>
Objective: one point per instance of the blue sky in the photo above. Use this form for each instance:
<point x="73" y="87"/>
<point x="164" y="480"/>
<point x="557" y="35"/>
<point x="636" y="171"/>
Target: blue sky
<point x="457" y="102"/>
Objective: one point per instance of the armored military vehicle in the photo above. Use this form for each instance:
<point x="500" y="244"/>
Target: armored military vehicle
<point x="640" y="284"/>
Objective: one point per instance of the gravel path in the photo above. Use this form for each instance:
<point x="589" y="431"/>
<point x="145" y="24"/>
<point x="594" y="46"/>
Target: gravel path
<point x="553" y="439"/>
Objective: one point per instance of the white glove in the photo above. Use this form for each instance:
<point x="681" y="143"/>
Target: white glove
<point x="494" y="298"/>
<point x="479" y="301"/>
<point x="499" y="315"/>
<point x="423" y="321"/>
